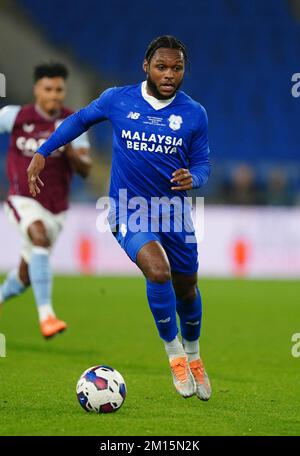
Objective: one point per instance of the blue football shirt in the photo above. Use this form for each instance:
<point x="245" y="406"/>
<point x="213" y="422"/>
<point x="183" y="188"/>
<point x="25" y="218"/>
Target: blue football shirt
<point x="148" y="144"/>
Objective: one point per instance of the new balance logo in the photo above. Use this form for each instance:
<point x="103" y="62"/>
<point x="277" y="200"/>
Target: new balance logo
<point x="133" y="115"/>
<point x="193" y="323"/>
<point x="165" y="321"/>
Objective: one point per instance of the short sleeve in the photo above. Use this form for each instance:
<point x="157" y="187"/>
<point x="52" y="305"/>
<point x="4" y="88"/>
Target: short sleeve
<point x="81" y="142"/>
<point x="8" y="116"/>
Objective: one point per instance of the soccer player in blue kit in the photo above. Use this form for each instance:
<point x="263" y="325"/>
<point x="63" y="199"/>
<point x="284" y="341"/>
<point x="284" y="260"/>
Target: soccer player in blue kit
<point x="160" y="149"/>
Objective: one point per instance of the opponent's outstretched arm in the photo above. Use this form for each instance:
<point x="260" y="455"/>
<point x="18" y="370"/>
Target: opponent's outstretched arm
<point x="79" y="159"/>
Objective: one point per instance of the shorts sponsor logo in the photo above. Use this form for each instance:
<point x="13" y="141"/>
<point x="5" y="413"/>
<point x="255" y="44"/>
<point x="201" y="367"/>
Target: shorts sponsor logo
<point x="123" y="229"/>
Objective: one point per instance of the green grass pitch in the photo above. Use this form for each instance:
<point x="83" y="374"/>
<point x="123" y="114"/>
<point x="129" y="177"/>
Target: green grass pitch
<point x="246" y="345"/>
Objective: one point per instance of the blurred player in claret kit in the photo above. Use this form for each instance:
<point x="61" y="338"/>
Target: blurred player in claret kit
<point x="160" y="149"/>
<point x="40" y="220"/>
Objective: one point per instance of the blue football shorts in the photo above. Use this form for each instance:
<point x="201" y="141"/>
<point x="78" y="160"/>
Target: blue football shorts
<point x="180" y="247"/>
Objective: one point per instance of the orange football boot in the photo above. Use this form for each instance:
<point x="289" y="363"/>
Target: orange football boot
<point x="203" y="387"/>
<point x="52" y="326"/>
<point x="182" y="377"/>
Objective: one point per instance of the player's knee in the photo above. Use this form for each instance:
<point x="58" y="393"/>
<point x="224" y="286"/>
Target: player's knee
<point x="190" y="295"/>
<point x="38" y="235"/>
<point x="41" y="241"/>
<point x="24" y="274"/>
<point x="187" y="293"/>
<point x="159" y="274"/>
<point x="24" y="277"/>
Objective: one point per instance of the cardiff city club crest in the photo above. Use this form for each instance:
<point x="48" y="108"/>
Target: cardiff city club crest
<point x="175" y="122"/>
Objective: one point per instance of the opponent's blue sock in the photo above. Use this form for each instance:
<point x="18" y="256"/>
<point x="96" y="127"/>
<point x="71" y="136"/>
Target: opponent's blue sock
<point x="162" y="302"/>
<point x="41" y="281"/>
<point x="190" y="314"/>
<point x="12" y="286"/>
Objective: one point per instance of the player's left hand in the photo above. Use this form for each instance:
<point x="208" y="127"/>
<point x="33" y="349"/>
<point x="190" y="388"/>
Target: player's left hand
<point x="183" y="178"/>
<point x="35" y="167"/>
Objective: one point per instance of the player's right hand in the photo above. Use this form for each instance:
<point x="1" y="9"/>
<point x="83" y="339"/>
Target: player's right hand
<point x="35" y="167"/>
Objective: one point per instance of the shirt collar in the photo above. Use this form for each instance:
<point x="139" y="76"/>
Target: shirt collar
<point x="154" y="102"/>
<point x="45" y="115"/>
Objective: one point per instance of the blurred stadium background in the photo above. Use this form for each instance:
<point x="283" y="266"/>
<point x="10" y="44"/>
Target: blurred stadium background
<point x="243" y="55"/>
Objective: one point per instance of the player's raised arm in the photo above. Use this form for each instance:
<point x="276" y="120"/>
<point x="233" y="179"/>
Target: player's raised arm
<point x="72" y="127"/>
<point x="79" y="159"/>
<point x="78" y="154"/>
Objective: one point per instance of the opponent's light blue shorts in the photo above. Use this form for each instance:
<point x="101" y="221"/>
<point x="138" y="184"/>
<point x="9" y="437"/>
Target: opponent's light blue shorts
<point x="180" y="247"/>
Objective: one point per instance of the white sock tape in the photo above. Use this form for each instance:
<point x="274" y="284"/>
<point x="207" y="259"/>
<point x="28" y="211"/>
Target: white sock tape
<point x="40" y="250"/>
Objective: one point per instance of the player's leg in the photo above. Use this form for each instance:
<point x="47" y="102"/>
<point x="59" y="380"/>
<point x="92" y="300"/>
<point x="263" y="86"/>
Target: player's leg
<point x="15" y="283"/>
<point x="41" y="279"/>
<point x="16" y="280"/>
<point x="38" y="229"/>
<point x="153" y="262"/>
<point x="182" y="251"/>
<point x="189" y="309"/>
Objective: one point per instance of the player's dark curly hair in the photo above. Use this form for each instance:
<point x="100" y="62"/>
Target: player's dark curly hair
<point x="165" y="41"/>
<point x="50" y="70"/>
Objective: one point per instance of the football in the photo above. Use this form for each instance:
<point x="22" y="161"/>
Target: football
<point x="101" y="389"/>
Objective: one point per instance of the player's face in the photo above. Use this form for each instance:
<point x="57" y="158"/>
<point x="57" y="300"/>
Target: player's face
<point x="50" y="94"/>
<point x="165" y="72"/>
